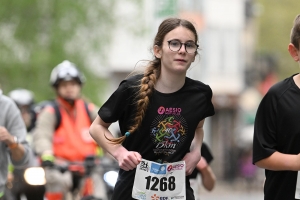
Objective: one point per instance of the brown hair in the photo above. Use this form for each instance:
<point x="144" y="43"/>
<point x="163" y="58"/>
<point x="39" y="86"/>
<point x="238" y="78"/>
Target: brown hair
<point x="295" y="32"/>
<point x="152" y="73"/>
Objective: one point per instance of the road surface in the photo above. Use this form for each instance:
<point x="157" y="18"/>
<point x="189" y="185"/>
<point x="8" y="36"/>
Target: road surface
<point x="235" y="191"/>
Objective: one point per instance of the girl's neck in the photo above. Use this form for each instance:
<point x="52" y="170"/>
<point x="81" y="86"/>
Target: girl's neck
<point x="297" y="80"/>
<point x="169" y="83"/>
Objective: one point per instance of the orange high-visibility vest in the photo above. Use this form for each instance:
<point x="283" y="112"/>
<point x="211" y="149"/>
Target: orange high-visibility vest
<point x="71" y="140"/>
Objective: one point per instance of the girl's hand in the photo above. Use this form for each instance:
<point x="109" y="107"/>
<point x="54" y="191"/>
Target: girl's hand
<point x="128" y="160"/>
<point x="191" y="159"/>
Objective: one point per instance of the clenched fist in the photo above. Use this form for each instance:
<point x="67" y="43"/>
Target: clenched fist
<point x="5" y="136"/>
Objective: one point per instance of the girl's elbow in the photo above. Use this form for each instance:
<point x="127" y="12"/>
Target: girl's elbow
<point x="210" y="187"/>
<point x="91" y="130"/>
<point x="261" y="163"/>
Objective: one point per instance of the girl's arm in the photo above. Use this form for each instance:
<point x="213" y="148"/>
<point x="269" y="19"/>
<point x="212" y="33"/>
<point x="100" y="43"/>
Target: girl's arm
<point x="193" y="157"/>
<point x="128" y="160"/>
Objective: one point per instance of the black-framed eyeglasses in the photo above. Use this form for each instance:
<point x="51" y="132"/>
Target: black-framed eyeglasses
<point x="190" y="47"/>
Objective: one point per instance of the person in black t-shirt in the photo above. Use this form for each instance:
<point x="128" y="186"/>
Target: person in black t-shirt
<point x="276" y="142"/>
<point x="159" y="112"/>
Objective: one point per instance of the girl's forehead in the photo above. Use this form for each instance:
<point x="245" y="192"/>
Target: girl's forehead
<point x="181" y="33"/>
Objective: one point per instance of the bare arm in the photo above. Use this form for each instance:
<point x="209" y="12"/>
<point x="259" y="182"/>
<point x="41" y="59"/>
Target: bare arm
<point x="279" y="161"/>
<point x="208" y="178"/>
<point x="207" y="175"/>
<point x="194" y="156"/>
<point x="128" y="160"/>
<point x="198" y="139"/>
<point x="17" y="150"/>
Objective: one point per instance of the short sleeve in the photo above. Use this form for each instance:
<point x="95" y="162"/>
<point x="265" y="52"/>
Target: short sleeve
<point x="264" y="139"/>
<point x="210" y="111"/>
<point x="113" y="108"/>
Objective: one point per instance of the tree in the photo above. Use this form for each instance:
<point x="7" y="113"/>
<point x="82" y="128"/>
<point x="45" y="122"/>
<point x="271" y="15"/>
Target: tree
<point x="36" y="35"/>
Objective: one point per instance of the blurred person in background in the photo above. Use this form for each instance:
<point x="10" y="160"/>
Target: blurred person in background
<point x="276" y="146"/>
<point x="13" y="144"/>
<point x="24" y="99"/>
<point x="66" y="138"/>
<point x="247" y="171"/>
<point x="160" y="112"/>
<point x="203" y="173"/>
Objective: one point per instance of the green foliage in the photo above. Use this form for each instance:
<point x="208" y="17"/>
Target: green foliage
<point x="36" y="35"/>
<point x="166" y="8"/>
<point x="274" y="26"/>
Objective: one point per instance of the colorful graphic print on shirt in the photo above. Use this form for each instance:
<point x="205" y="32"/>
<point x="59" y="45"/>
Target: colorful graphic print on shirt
<point x="168" y="130"/>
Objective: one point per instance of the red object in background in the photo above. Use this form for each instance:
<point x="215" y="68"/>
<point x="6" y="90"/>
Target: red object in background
<point x="88" y="188"/>
<point x="54" y="195"/>
<point x="269" y="81"/>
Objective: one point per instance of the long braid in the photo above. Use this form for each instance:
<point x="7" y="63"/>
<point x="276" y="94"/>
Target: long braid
<point x="146" y="89"/>
<point x="147" y="84"/>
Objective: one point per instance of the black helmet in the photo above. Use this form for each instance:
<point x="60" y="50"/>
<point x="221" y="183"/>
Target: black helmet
<point x="66" y="71"/>
<point x="22" y="97"/>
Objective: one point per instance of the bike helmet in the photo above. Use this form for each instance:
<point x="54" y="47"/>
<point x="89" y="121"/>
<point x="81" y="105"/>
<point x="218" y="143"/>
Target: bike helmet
<point x="66" y="71"/>
<point x="22" y="97"/>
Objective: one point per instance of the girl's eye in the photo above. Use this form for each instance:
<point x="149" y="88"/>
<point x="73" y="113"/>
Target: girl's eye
<point x="175" y="43"/>
<point x="189" y="45"/>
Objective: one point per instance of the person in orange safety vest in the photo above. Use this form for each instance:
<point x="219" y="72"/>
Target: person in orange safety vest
<point x="66" y="139"/>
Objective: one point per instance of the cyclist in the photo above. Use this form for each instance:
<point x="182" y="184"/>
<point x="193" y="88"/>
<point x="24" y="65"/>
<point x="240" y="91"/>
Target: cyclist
<point x="66" y="139"/>
<point x="12" y="139"/>
<point x="24" y="99"/>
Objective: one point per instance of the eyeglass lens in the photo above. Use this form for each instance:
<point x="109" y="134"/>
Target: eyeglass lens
<point x="175" y="45"/>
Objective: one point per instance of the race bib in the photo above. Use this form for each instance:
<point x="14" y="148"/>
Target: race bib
<point x="159" y="181"/>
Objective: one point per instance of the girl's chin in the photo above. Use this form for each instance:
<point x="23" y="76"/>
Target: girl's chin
<point x="181" y="69"/>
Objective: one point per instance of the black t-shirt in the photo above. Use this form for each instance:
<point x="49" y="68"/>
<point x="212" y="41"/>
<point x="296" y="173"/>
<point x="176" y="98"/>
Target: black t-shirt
<point x="205" y="153"/>
<point x="277" y="128"/>
<point x="167" y="129"/>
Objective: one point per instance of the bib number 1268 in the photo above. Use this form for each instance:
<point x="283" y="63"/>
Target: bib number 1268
<point x="164" y="183"/>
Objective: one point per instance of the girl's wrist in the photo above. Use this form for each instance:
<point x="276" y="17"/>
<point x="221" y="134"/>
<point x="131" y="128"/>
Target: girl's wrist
<point x="196" y="151"/>
<point x="118" y="151"/>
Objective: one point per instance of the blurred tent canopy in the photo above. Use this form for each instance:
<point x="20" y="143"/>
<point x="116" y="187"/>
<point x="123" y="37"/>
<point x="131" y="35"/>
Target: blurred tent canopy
<point x="36" y="35"/>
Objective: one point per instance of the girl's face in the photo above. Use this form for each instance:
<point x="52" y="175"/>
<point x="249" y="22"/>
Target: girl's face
<point x="179" y="61"/>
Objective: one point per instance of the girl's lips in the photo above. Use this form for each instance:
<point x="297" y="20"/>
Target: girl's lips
<point x="180" y="60"/>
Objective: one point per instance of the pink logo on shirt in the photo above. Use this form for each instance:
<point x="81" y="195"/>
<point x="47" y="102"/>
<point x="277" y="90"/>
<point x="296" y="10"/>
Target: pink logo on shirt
<point x="169" y="111"/>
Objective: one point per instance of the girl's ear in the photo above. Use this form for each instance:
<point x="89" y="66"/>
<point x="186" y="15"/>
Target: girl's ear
<point x="157" y="51"/>
<point x="294" y="52"/>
